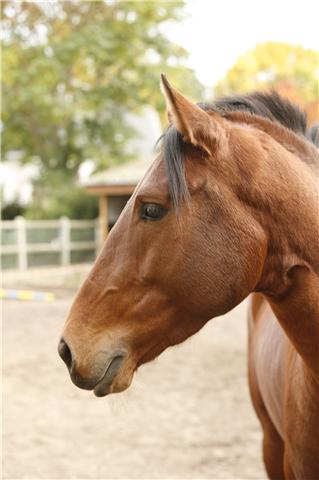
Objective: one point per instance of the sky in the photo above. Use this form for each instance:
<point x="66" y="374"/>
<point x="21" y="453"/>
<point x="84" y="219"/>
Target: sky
<point x="217" y="32"/>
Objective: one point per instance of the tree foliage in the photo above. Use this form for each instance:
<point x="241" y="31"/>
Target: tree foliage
<point x="273" y="64"/>
<point x="71" y="72"/>
<point x="11" y="210"/>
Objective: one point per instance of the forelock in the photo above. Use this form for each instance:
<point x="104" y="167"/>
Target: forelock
<point x="174" y="149"/>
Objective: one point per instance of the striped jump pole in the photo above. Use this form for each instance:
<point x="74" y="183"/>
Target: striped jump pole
<point x="26" y="295"/>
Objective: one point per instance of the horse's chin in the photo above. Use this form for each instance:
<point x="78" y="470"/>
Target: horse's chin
<point x="120" y="381"/>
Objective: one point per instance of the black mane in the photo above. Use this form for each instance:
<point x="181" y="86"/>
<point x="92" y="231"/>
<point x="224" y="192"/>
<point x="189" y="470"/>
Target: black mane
<point x="265" y="104"/>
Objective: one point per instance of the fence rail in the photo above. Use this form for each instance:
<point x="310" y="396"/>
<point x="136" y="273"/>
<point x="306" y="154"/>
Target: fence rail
<point x="15" y="239"/>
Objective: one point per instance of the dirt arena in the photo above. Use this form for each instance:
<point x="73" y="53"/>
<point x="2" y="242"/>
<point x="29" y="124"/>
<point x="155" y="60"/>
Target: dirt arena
<point x="187" y="415"/>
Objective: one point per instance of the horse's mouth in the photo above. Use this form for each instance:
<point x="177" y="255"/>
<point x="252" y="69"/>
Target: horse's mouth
<point x="103" y="387"/>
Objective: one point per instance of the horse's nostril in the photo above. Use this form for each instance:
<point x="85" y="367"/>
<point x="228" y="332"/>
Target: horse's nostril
<point x="65" y="353"/>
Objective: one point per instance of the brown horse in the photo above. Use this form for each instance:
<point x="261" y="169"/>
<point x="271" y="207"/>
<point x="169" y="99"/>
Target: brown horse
<point x="229" y="207"/>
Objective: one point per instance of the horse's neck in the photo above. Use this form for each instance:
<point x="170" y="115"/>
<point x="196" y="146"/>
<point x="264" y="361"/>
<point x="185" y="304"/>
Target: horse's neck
<point x="297" y="310"/>
<point x="291" y="275"/>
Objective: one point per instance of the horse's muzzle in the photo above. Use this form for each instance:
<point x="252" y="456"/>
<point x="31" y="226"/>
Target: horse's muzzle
<point x="100" y="385"/>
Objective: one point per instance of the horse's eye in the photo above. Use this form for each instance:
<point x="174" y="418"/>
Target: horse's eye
<point x="152" y="211"/>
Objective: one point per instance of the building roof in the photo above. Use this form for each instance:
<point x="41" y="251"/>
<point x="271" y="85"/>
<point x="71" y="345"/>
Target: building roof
<point x="129" y="173"/>
<point x="118" y="180"/>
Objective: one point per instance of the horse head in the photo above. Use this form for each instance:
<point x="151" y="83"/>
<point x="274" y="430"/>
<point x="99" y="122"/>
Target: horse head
<point x="184" y="250"/>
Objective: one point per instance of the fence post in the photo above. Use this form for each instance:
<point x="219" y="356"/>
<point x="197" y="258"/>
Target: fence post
<point x="104" y="218"/>
<point x="65" y="236"/>
<point x="21" y="243"/>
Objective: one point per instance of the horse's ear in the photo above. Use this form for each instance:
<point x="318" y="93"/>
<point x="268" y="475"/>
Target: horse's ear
<point x="194" y="124"/>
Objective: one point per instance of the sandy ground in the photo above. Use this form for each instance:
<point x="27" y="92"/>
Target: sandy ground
<point x="187" y="416"/>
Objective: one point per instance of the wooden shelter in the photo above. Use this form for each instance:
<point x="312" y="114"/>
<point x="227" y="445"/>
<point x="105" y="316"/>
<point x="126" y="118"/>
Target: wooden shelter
<point x="114" y="187"/>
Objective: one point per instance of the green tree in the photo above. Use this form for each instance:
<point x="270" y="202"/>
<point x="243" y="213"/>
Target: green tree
<point x="71" y="72"/>
<point x="271" y="64"/>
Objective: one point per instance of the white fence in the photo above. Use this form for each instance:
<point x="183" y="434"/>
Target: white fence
<point x="46" y="242"/>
